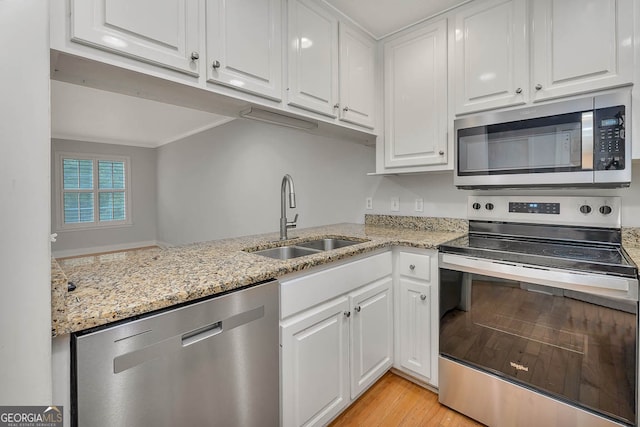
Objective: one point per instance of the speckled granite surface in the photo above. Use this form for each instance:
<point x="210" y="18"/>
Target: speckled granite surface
<point x="631" y="243"/>
<point x="418" y="222"/>
<point x="120" y="285"/>
<point x="58" y="299"/>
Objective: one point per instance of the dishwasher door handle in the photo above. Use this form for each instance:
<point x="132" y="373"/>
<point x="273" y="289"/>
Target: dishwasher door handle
<point x="201" y="334"/>
<point x="162" y="348"/>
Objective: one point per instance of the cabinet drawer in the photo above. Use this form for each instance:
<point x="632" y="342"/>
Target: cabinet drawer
<point x="413" y="265"/>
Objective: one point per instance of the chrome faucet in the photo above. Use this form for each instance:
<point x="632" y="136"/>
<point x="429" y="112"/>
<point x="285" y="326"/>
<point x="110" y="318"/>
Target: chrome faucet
<point x="284" y="224"/>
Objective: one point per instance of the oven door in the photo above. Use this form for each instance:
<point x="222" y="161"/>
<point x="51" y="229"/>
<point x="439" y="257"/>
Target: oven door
<point x="572" y="346"/>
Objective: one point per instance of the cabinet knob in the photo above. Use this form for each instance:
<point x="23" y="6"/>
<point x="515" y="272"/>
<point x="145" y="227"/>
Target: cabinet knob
<point x="345" y="109"/>
<point x="441" y="152"/>
<point x="357" y="309"/>
<point x="538" y="86"/>
<point x="347" y="314"/>
<point x="216" y="64"/>
<point x="195" y="56"/>
<point x="336" y="106"/>
<point x="519" y="90"/>
<point x="412" y="267"/>
<point x="423" y="297"/>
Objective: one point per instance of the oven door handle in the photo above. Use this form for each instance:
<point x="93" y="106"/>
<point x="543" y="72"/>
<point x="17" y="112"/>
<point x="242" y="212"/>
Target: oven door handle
<point x="598" y="284"/>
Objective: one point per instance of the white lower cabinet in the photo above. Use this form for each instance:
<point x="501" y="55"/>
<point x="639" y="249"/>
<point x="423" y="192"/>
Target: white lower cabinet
<point x="336" y="337"/>
<point x="315" y="365"/>
<point x="416" y="333"/>
<point x="371" y="334"/>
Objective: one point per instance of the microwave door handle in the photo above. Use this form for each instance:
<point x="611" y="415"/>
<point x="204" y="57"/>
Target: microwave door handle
<point x="587" y="140"/>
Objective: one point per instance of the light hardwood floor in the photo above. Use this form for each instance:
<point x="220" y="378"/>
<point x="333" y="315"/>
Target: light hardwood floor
<point x="394" y="401"/>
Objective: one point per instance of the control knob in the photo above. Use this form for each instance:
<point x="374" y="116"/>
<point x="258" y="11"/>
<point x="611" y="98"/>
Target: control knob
<point x="489" y="206"/>
<point x="476" y="206"/>
<point x="585" y="209"/>
<point x="605" y="210"/>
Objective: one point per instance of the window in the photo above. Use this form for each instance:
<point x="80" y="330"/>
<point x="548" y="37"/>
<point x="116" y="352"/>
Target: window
<point x="93" y="191"/>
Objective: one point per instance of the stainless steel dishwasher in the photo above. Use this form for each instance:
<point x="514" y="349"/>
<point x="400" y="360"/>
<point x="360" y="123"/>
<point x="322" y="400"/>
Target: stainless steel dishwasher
<point x="211" y="363"/>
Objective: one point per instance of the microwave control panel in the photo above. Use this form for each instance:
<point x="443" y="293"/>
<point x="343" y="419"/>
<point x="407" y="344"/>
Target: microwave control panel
<point x="609" y="138"/>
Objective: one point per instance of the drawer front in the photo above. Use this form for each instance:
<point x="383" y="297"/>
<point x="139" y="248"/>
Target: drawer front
<point x="417" y="266"/>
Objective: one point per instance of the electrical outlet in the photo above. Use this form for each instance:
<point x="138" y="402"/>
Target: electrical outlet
<point x="369" y="203"/>
<point x="419" y="205"/>
<point x="395" y="204"/>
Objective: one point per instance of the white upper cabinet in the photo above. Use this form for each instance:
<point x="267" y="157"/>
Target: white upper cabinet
<point x="491" y="55"/>
<point x="244" y="45"/>
<point x="171" y="39"/>
<point x="415" y="98"/>
<point x="313" y="58"/>
<point x="580" y="46"/>
<point x="573" y="46"/>
<point x="357" y="77"/>
<point x="331" y="65"/>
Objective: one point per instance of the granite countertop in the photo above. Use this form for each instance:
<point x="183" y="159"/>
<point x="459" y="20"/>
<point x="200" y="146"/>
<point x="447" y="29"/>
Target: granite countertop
<point x="116" y="286"/>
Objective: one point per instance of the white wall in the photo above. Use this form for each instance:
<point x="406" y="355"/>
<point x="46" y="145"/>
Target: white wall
<point x="443" y="199"/>
<point x="25" y="305"/>
<point x="143" y="202"/>
<point x="226" y="181"/>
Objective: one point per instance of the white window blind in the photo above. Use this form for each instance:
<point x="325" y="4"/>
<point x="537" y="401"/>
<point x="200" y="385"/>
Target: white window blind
<point x="94" y="191"/>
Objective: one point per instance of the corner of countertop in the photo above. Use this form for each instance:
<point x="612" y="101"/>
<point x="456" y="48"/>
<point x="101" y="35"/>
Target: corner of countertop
<point x="58" y="300"/>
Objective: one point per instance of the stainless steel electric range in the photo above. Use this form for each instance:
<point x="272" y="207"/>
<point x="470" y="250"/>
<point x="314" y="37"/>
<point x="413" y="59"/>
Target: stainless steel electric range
<point x="539" y="314"/>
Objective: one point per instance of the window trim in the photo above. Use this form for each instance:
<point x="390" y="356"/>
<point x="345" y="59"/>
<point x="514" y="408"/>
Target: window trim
<point x="59" y="192"/>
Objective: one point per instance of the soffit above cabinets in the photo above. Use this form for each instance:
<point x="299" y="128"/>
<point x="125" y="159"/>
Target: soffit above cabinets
<point x="87" y="114"/>
<point x="384" y="17"/>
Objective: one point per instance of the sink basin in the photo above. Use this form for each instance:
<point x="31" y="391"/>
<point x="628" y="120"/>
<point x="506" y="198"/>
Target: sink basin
<point x="304" y="248"/>
<point x="286" y="252"/>
<point x="328" y="244"/>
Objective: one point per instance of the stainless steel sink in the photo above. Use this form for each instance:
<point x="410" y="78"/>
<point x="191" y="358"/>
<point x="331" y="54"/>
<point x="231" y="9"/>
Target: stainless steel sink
<point x="310" y="247"/>
<point x="286" y="252"/>
<point x="328" y="244"/>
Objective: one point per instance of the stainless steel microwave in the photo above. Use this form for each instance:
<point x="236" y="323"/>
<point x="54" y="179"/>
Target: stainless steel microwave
<point x="579" y="142"/>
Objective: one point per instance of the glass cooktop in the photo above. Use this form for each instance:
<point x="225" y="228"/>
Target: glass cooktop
<point x="596" y="257"/>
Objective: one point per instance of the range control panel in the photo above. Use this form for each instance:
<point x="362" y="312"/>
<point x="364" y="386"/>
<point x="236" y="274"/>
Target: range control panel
<point x="609" y="138"/>
<point x="535" y="207"/>
<point x="569" y="210"/>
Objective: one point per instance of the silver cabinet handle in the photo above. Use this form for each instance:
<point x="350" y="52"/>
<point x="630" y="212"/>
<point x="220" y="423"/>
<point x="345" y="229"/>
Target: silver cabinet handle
<point x="336" y="106"/>
<point x="519" y="90"/>
<point x="195" y="56"/>
<point x="412" y="267"/>
<point x="347" y="314"/>
<point x="357" y="309"/>
<point x="538" y="86"/>
<point x="345" y="109"/>
<point x="441" y="152"/>
<point x="423" y="297"/>
<point x="216" y="64"/>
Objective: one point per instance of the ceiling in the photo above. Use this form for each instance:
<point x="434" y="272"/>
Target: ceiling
<point x="384" y="17"/>
<point x="87" y="114"/>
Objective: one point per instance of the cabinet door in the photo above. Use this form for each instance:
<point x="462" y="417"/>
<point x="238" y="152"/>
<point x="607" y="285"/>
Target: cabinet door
<point x="357" y="77"/>
<point x="570" y="58"/>
<point x="313" y="58"/>
<point x="371" y="334"/>
<point x="415" y="327"/>
<point x="415" y="98"/>
<point x="170" y="39"/>
<point x="490" y="59"/>
<point x="244" y="45"/>
<point x="315" y="364"/>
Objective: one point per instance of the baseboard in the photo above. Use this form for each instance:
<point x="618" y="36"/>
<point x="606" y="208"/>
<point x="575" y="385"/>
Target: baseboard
<point x="107" y="248"/>
<point x="414" y="380"/>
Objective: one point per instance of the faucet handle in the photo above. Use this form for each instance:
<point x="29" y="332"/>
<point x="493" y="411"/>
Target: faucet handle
<point x="292" y="224"/>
